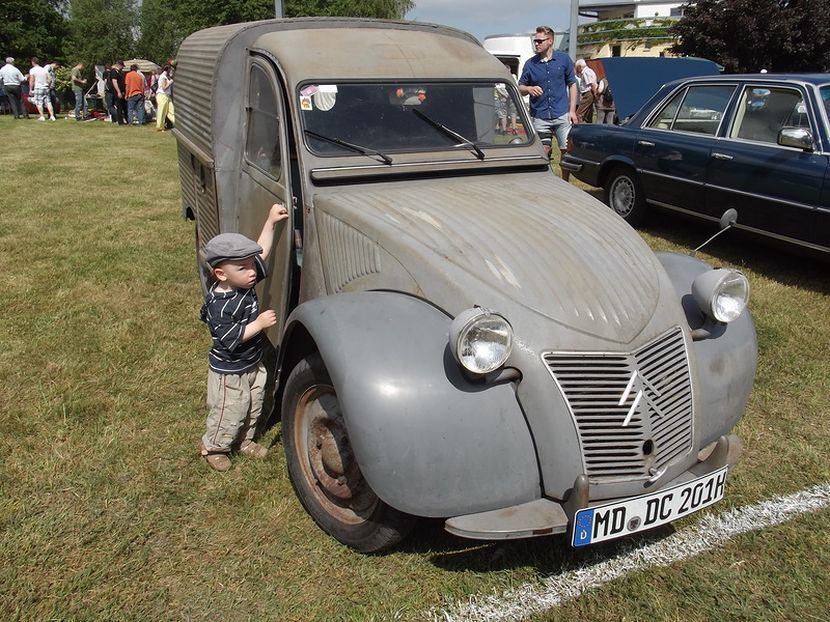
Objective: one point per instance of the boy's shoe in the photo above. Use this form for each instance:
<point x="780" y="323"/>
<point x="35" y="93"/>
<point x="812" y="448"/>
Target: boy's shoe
<point x="217" y="462"/>
<point x="253" y="450"/>
<point x="52" y="119"/>
<point x="41" y="119"/>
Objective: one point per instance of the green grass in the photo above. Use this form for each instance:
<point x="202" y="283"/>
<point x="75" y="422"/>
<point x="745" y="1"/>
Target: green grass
<point x="107" y="512"/>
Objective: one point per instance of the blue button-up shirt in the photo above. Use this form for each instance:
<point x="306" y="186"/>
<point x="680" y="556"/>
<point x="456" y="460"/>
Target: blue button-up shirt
<point x="554" y="76"/>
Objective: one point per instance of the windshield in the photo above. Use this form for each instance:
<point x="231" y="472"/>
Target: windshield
<point x="397" y="117"/>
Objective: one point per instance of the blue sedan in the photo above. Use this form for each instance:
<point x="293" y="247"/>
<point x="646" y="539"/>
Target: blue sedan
<point x="756" y="143"/>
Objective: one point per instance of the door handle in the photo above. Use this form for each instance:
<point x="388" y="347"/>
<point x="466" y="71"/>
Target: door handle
<point x="645" y="143"/>
<point x="721" y="156"/>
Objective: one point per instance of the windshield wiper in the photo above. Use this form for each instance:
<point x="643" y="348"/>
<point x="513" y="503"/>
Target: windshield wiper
<point x="360" y="149"/>
<point x="466" y="142"/>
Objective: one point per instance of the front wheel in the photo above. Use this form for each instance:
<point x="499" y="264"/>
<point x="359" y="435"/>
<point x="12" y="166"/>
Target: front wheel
<point x="322" y="467"/>
<point x="624" y="195"/>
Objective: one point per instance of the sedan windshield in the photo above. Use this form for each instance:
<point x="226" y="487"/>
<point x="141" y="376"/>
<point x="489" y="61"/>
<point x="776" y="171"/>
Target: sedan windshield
<point x="389" y="118"/>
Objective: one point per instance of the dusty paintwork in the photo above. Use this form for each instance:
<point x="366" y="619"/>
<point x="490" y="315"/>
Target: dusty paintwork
<point x="385" y="248"/>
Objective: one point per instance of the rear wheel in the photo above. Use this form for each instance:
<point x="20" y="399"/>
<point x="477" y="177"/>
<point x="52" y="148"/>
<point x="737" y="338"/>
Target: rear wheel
<point x="624" y="195"/>
<point x="323" y="469"/>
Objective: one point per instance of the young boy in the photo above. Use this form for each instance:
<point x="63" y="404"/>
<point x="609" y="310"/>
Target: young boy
<point x="236" y="377"/>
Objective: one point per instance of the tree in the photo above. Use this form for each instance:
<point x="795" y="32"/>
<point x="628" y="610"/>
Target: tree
<point x="750" y="35"/>
<point x="383" y="9"/>
<point x="32" y="28"/>
<point x="160" y="31"/>
<point x="101" y="31"/>
<point x="166" y="23"/>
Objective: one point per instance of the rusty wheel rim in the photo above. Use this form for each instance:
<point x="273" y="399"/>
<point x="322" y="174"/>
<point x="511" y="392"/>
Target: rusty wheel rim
<point x="326" y="457"/>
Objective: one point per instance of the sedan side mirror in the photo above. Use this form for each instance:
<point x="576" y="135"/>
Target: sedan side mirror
<point x="798" y="137"/>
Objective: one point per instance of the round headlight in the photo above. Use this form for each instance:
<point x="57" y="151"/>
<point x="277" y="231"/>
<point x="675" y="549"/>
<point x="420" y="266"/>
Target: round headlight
<point x="721" y="294"/>
<point x="481" y="340"/>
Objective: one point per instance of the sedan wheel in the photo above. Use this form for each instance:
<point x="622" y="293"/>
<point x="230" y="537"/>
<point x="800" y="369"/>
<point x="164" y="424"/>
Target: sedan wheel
<point x="323" y="468"/>
<point x="624" y="195"/>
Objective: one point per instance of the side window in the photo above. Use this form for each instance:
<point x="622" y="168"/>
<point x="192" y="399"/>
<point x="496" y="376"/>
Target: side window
<point x="763" y="111"/>
<point x="262" y="146"/>
<point x="665" y="117"/>
<point x="703" y="109"/>
<point x="698" y="109"/>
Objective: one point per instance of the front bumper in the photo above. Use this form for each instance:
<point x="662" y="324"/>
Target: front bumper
<point x="544" y="517"/>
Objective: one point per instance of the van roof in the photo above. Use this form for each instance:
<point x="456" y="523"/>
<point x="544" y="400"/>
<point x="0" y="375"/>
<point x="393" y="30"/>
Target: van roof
<point x="211" y="63"/>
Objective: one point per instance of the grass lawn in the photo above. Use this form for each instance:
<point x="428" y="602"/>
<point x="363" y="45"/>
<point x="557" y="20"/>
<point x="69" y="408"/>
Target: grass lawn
<point x="108" y="513"/>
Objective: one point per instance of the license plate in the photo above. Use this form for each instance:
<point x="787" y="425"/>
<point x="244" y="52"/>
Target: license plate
<point x="606" y="522"/>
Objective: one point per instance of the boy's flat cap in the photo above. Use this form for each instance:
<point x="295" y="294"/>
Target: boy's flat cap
<point x="230" y="247"/>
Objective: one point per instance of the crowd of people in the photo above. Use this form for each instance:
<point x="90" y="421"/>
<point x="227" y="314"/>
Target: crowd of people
<point x="129" y="97"/>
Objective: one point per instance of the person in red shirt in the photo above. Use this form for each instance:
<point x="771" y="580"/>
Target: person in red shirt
<point x="134" y="85"/>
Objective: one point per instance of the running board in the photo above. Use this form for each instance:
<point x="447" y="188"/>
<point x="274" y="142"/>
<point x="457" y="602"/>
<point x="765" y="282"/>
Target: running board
<point x="542" y="517"/>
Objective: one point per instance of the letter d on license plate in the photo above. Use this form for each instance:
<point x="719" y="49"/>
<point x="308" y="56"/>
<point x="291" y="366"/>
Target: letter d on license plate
<point x="606" y="522"/>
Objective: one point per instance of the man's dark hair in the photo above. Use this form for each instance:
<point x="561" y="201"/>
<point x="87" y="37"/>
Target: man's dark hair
<point x="133" y="67"/>
<point x="35" y="60"/>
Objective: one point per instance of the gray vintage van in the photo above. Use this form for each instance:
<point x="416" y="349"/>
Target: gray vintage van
<point x="462" y="334"/>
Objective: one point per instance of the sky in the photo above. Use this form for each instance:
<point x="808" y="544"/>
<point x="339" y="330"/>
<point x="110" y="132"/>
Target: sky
<point x="490" y="17"/>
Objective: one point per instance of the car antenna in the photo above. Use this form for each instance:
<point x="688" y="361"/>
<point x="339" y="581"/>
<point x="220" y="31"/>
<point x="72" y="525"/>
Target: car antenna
<point x="727" y="221"/>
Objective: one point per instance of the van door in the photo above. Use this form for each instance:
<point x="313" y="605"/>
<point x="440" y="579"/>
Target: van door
<point x="265" y="180"/>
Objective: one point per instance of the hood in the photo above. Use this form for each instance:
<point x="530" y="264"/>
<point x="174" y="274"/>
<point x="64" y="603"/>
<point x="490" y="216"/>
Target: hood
<point x="530" y="239"/>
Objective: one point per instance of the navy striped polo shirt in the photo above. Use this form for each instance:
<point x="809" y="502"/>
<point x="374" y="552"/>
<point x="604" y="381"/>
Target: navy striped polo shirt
<point x="227" y="314"/>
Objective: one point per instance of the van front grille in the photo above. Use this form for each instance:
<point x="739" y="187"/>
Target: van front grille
<point x="633" y="411"/>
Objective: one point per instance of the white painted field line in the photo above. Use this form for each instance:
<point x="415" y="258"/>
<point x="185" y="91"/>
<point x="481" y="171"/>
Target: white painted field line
<point x="711" y="532"/>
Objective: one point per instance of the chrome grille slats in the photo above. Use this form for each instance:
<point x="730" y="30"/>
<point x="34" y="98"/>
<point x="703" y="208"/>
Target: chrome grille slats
<point x="593" y="384"/>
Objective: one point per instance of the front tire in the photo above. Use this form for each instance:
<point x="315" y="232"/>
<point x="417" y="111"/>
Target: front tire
<point x="322" y="467"/>
<point x="624" y="195"/>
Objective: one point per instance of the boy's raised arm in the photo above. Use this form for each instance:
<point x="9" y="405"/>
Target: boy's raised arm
<point x="266" y="238"/>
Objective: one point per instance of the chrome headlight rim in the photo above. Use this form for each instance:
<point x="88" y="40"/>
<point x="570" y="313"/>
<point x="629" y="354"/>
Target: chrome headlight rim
<point x="462" y="329"/>
<point x="722" y="294"/>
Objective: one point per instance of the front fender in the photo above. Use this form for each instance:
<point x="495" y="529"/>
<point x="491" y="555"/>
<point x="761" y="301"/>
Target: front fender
<point x="725" y="362"/>
<point x="428" y="441"/>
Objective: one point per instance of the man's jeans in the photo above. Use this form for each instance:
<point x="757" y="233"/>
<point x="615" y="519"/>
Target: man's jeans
<point x="135" y="109"/>
<point x="108" y="104"/>
<point x="80" y="104"/>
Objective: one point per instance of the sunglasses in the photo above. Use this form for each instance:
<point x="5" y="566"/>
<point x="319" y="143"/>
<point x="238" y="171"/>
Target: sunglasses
<point x="539" y="41"/>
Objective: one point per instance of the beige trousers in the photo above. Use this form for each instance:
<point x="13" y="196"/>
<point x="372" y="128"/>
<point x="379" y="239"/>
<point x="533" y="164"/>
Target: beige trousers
<point x="234" y="406"/>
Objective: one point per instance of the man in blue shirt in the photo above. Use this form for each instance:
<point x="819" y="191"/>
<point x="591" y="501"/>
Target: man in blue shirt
<point x="548" y="78"/>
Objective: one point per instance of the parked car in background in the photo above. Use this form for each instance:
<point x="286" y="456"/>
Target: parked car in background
<point x="461" y="334"/>
<point x="756" y="143"/>
<point x="29" y="104"/>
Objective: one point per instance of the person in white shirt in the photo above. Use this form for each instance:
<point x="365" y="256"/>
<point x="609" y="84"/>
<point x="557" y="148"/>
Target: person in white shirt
<point x="164" y="105"/>
<point x="587" y="83"/>
<point x="11" y="79"/>
<point x="39" y="89"/>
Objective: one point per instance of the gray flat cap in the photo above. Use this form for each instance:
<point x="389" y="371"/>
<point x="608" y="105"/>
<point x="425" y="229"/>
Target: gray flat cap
<point x="230" y="247"/>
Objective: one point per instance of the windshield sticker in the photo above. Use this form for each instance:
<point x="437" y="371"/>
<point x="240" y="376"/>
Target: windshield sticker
<point x="328" y="88"/>
<point x="309" y="90"/>
<point x="305" y="102"/>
